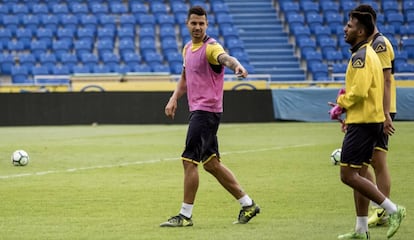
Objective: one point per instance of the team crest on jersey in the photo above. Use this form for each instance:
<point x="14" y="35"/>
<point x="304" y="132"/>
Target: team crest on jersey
<point x="358" y="63"/>
<point x="380" y="47"/>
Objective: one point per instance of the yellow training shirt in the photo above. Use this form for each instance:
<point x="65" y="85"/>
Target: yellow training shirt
<point x="383" y="47"/>
<point x="364" y="85"/>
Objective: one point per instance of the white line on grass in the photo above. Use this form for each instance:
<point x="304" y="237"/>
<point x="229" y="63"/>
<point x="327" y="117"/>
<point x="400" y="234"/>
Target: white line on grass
<point x="142" y="162"/>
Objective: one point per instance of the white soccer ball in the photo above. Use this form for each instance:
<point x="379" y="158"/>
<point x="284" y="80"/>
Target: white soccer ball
<point x="336" y="156"/>
<point x="20" y="158"/>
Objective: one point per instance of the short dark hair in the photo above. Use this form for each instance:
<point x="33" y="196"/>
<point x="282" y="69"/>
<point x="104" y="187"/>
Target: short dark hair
<point x="365" y="20"/>
<point x="197" y="10"/>
<point x="367" y="9"/>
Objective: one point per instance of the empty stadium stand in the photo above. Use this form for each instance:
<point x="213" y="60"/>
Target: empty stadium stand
<point x="291" y="40"/>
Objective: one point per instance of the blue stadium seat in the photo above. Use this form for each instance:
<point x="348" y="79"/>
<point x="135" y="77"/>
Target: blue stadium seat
<point x="313" y="57"/>
<point x="100" y="68"/>
<point x="126" y="33"/>
<point x="158" y="8"/>
<point x="70" y="60"/>
<point x="50" y="21"/>
<point x="176" y="68"/>
<point x="61" y="69"/>
<point x="161" y="68"/>
<point x="309" y="7"/>
<point x="90" y="60"/>
<point x="290" y="7"/>
<point x="330" y="6"/>
<point x="131" y="59"/>
<point x="15" y="46"/>
<point x="111" y="60"/>
<point x="169" y="44"/>
<point x="301" y="31"/>
<point x="142" y="68"/>
<point x="38" y="47"/>
<point x="395" y="19"/>
<point x="389" y="7"/>
<point x="174" y="57"/>
<point x="31" y="22"/>
<point x="229" y="31"/>
<point x="326" y="43"/>
<point x="408" y="46"/>
<point x="122" y="69"/>
<point x="168" y="32"/>
<point x="400" y="57"/>
<point x="20" y="10"/>
<point x="60" y="8"/>
<point x="295" y="19"/>
<point x="322" y="31"/>
<point x="407" y="30"/>
<point x="339" y="68"/>
<point x="180" y="18"/>
<point x="5" y="36"/>
<point x="24" y="35"/>
<point x="147" y="45"/>
<point x="40" y="9"/>
<point x="118" y="8"/>
<point x="81" y="69"/>
<point x="306" y="45"/>
<point x="152" y="58"/>
<point x="179" y="7"/>
<point x="69" y="21"/>
<point x="333" y="56"/>
<point x="138" y="8"/>
<point x="410" y="18"/>
<point x="85" y="34"/>
<point x="46" y="35"/>
<point x="404" y="68"/>
<point x="224" y="19"/>
<point x="79" y="8"/>
<point x="147" y="33"/>
<point x="11" y="22"/>
<point x="126" y="46"/>
<point x="319" y="71"/>
<point x="388" y="30"/>
<point x="214" y="32"/>
<point x="60" y="47"/>
<point x="4" y="9"/>
<point x="106" y="33"/>
<point x="165" y="20"/>
<point x="27" y="60"/>
<point x="104" y="46"/>
<point x="127" y="20"/>
<point x="48" y="60"/>
<point x="99" y="9"/>
<point x="65" y="34"/>
<point x="146" y="20"/>
<point x="40" y="70"/>
<point x="408" y="7"/>
<point x="333" y="20"/>
<point x="107" y="21"/>
<point x="89" y="21"/>
<point x="314" y="20"/>
<point x="82" y="46"/>
<point x="219" y="7"/>
<point x="6" y="63"/>
<point x="201" y="3"/>
<point x="20" y="75"/>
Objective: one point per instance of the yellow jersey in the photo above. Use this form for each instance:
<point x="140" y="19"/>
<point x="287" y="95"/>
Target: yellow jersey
<point x="364" y="85"/>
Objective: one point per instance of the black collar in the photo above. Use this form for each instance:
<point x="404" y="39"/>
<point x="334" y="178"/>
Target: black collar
<point x="357" y="46"/>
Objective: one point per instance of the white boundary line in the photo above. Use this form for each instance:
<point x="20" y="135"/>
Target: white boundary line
<point x="141" y="162"/>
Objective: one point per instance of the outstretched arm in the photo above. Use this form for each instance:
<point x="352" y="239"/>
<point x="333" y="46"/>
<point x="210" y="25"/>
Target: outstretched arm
<point x="233" y="64"/>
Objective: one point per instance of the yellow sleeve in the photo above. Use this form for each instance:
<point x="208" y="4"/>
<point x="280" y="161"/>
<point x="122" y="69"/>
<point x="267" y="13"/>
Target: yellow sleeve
<point x="214" y="50"/>
<point x="357" y="90"/>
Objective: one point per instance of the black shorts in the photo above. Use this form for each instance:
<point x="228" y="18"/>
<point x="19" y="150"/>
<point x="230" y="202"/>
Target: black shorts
<point x="359" y="143"/>
<point x="201" y="143"/>
<point x="382" y="143"/>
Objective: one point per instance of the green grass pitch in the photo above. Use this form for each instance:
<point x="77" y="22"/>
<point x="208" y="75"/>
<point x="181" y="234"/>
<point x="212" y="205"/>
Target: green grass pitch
<point x="122" y="181"/>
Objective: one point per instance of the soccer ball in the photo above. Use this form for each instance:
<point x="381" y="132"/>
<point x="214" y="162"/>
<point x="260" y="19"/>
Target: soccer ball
<point x="20" y="158"/>
<point x="336" y="156"/>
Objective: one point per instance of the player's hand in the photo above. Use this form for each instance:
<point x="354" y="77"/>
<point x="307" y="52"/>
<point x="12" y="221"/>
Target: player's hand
<point x="388" y="125"/>
<point x="344" y="126"/>
<point x="170" y="108"/>
<point x="335" y="112"/>
<point x="241" y="72"/>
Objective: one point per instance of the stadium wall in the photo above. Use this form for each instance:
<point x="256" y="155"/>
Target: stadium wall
<point x="310" y="104"/>
<point x="19" y="109"/>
